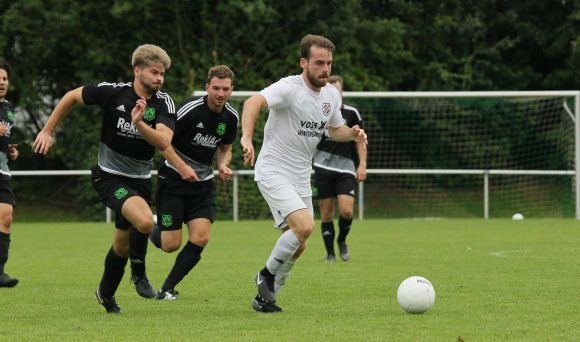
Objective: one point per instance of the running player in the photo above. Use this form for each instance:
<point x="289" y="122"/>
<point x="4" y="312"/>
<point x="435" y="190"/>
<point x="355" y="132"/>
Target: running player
<point x="337" y="168"/>
<point x="137" y="118"/>
<point x="301" y="108"/>
<point x="186" y="190"/>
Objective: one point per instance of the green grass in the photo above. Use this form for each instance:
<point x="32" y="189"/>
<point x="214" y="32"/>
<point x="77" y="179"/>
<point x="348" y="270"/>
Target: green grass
<point x="497" y="280"/>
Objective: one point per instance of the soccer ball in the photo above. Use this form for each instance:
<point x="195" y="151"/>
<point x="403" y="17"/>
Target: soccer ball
<point x="518" y="216"/>
<point x="416" y="295"/>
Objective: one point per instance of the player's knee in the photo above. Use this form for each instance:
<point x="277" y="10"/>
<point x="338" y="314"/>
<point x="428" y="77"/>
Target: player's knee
<point x="121" y="248"/>
<point x="326" y="216"/>
<point x="346" y="213"/>
<point x="144" y="224"/>
<point x="200" y="240"/>
<point x="170" y="246"/>
<point x="305" y="229"/>
<point x="5" y="223"/>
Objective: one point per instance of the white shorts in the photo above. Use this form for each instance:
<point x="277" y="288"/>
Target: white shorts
<point x="284" y="198"/>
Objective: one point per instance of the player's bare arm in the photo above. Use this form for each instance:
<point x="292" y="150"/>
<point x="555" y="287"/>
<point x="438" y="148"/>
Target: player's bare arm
<point x="250" y="114"/>
<point x="344" y="133"/>
<point x="224" y="157"/>
<point x="43" y="140"/>
<point x="185" y="171"/>
<point x="361" y="170"/>
<point x="160" y="136"/>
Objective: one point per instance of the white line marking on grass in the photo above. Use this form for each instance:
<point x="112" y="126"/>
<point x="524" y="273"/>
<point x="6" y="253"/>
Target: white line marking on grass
<point x="506" y="254"/>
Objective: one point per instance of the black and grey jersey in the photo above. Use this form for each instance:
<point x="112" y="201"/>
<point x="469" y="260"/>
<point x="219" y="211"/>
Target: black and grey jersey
<point x="336" y="156"/>
<point x="7" y="118"/>
<point x="123" y="150"/>
<point x="198" y="134"/>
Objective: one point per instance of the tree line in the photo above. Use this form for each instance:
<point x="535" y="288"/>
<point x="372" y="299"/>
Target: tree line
<point x="382" y="45"/>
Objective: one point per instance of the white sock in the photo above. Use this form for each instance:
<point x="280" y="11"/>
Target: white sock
<point x="283" y="275"/>
<point x="283" y="251"/>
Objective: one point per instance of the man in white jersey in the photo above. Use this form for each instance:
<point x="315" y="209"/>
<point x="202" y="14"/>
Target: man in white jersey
<point x="301" y="108"/>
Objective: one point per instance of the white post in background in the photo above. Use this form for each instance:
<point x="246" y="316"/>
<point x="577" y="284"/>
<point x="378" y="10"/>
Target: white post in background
<point x="486" y="194"/>
<point x="577" y="152"/>
<point x="235" y="195"/>
<point x="361" y="200"/>
<point x="108" y="215"/>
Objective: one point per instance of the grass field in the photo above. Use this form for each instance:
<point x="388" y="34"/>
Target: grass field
<point x="496" y="280"/>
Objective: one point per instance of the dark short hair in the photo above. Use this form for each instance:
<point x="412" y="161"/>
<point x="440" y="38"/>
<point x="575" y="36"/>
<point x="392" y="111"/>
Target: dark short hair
<point x="221" y="72"/>
<point x="310" y="40"/>
<point x="7" y="67"/>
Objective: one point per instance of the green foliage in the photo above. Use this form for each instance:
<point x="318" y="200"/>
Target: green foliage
<point x="57" y="45"/>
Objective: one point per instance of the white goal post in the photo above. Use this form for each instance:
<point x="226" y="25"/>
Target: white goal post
<point x="436" y="112"/>
<point x="559" y="102"/>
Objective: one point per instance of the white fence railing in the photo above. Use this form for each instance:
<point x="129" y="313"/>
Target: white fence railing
<point x="361" y="199"/>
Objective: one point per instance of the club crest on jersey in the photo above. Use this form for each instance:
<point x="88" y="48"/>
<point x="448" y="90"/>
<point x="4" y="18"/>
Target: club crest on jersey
<point x="326" y="108"/>
<point x="149" y="113"/>
<point x="221" y="128"/>
<point x="10" y="116"/>
<point x="166" y="220"/>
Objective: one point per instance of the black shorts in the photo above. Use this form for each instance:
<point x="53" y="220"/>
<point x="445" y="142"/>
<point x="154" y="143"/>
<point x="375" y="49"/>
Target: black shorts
<point x="6" y="193"/>
<point x="114" y="190"/>
<point x="174" y="209"/>
<point x="331" y="184"/>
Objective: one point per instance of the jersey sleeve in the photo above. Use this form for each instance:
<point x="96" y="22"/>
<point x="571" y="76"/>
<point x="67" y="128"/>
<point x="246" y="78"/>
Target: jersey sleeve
<point x="276" y="94"/>
<point x="357" y="117"/>
<point x="336" y="119"/>
<point x="232" y="133"/>
<point x="97" y="94"/>
<point x="167" y="115"/>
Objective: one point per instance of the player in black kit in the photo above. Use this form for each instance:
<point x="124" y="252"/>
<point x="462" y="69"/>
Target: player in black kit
<point x="7" y="152"/>
<point x="186" y="191"/>
<point x="337" y="168"/>
<point x="137" y="118"/>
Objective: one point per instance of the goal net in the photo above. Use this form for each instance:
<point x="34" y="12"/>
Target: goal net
<point x="456" y="155"/>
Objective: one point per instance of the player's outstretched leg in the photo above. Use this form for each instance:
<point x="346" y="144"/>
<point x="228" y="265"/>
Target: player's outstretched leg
<point x="186" y="260"/>
<point x="137" y="252"/>
<point x="112" y="275"/>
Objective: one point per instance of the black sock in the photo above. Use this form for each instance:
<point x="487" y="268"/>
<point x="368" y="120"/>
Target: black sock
<point x="114" y="270"/>
<point x="137" y="251"/>
<point x="4" y="247"/>
<point x="328" y="236"/>
<point x="344" y="229"/>
<point x="155" y="236"/>
<point x="265" y="272"/>
<point x="186" y="260"/>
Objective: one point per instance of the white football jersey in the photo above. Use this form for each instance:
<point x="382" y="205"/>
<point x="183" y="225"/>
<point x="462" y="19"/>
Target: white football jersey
<point x="298" y="117"/>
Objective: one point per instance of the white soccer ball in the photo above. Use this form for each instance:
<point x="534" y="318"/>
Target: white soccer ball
<point x="517" y="216"/>
<point x="416" y="295"/>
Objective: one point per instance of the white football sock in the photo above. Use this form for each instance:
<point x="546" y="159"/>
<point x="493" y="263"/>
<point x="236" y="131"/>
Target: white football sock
<point x="283" y="251"/>
<point x="283" y="275"/>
